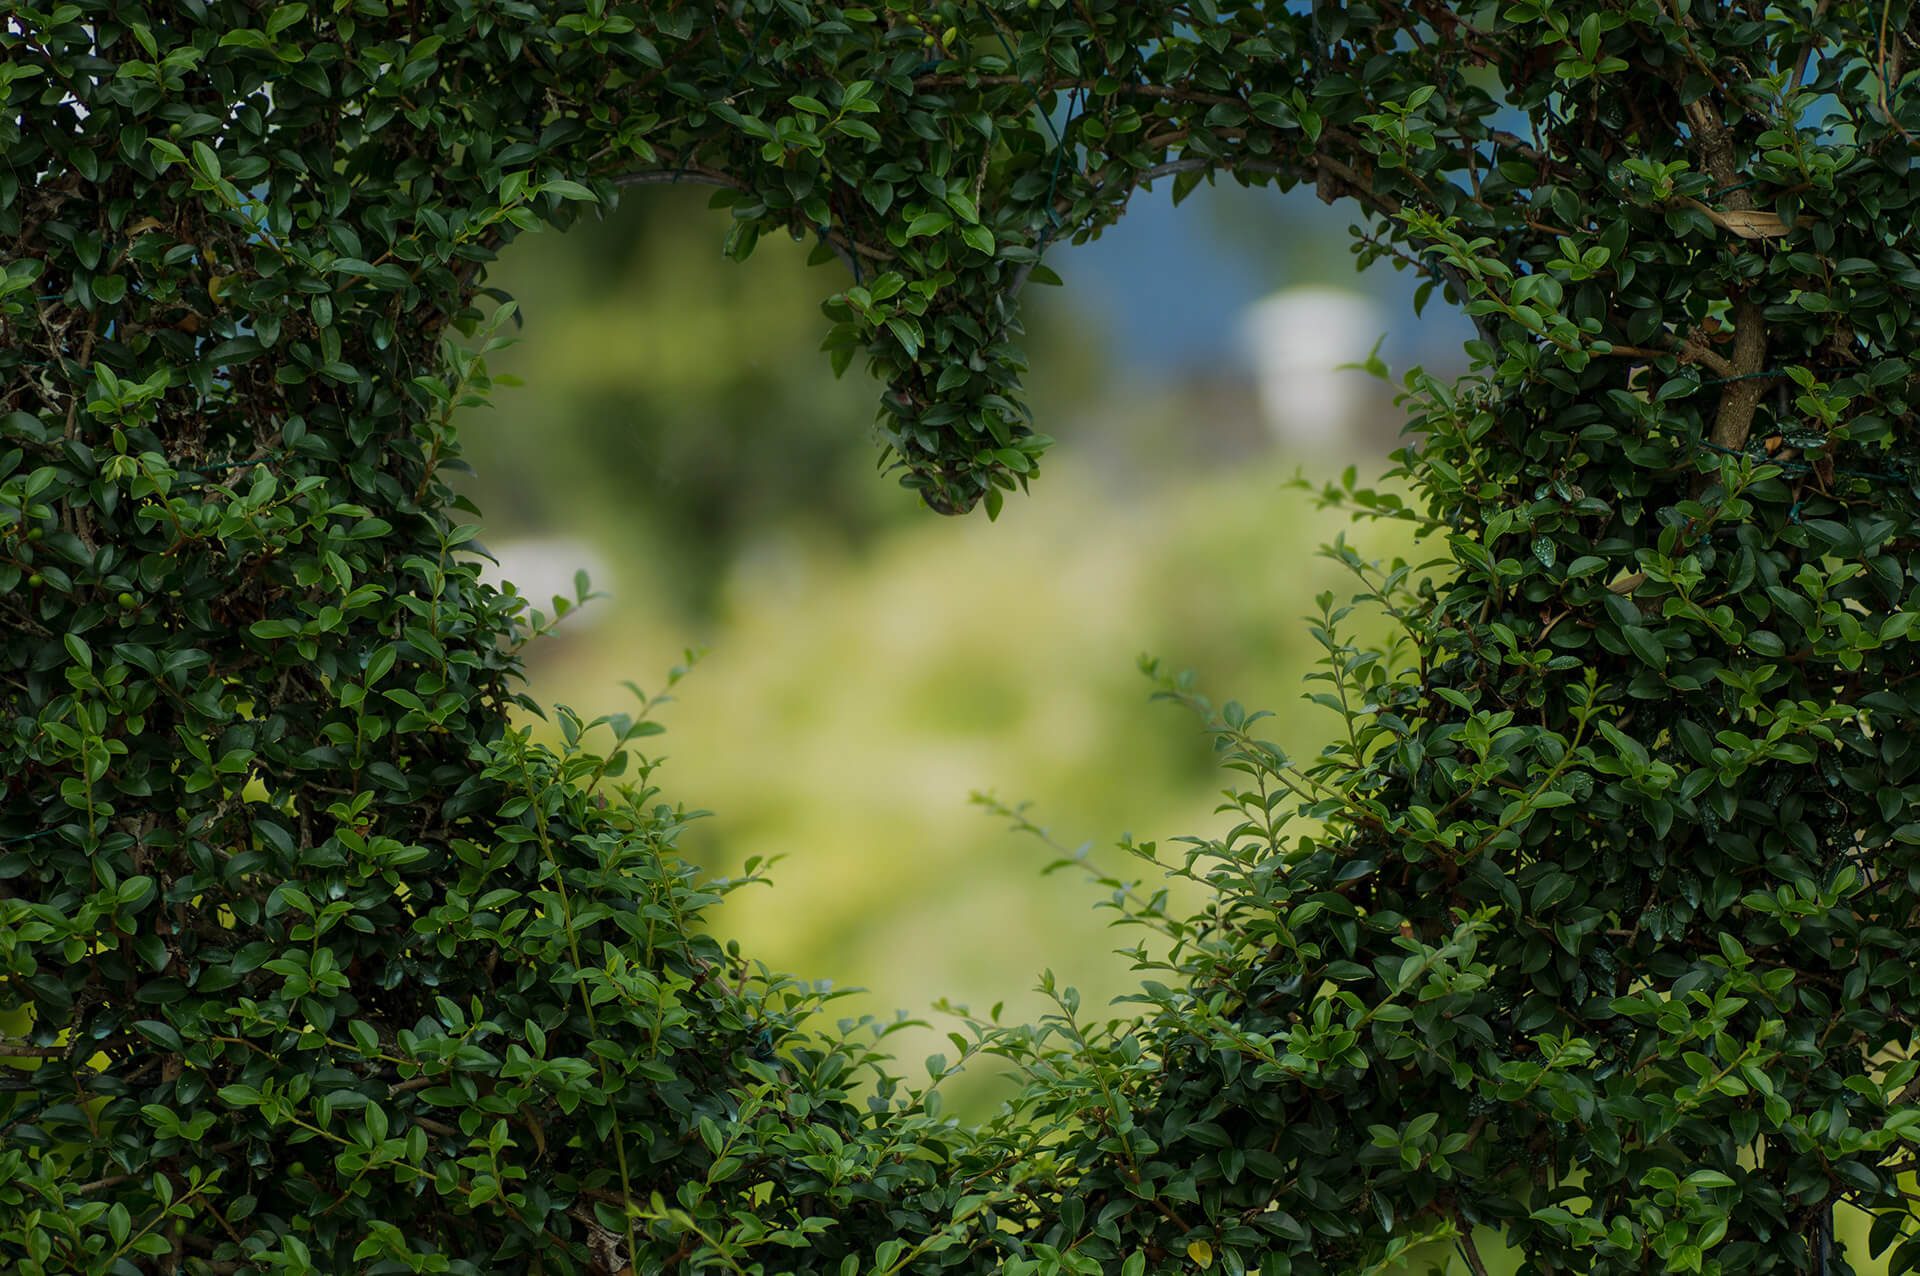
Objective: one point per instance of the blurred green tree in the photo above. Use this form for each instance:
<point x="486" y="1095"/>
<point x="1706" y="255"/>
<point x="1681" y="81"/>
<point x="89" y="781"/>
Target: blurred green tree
<point x="678" y="399"/>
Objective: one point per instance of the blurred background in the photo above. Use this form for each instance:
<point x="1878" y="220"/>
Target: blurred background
<point x="869" y="664"/>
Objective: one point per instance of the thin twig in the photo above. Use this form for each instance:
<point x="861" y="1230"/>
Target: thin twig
<point x="1467" y="1247"/>
<point x="1813" y="42"/>
<point x="1166" y="91"/>
<point x="1687" y="348"/>
<point x="1887" y="67"/>
<point x="669" y="176"/>
<point x="111" y="1181"/>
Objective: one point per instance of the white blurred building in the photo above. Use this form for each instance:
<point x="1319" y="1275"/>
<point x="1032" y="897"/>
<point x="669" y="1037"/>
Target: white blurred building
<point x="1298" y="338"/>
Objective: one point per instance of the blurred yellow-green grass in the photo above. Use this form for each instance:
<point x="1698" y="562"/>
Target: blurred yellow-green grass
<point x="847" y="709"/>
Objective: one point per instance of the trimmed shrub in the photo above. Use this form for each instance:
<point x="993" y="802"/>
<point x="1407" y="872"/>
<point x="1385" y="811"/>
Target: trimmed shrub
<point x="1594" y="932"/>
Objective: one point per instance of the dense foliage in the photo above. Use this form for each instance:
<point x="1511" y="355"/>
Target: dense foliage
<point x="1598" y="937"/>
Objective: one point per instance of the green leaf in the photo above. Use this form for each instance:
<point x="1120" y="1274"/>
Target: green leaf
<point x="928" y="224"/>
<point x="285" y="16"/>
<point x="569" y="190"/>
<point x="1708" y="1179"/>
<point x="161" y="1033"/>
<point x="1645" y="646"/>
<point x="906" y="333"/>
